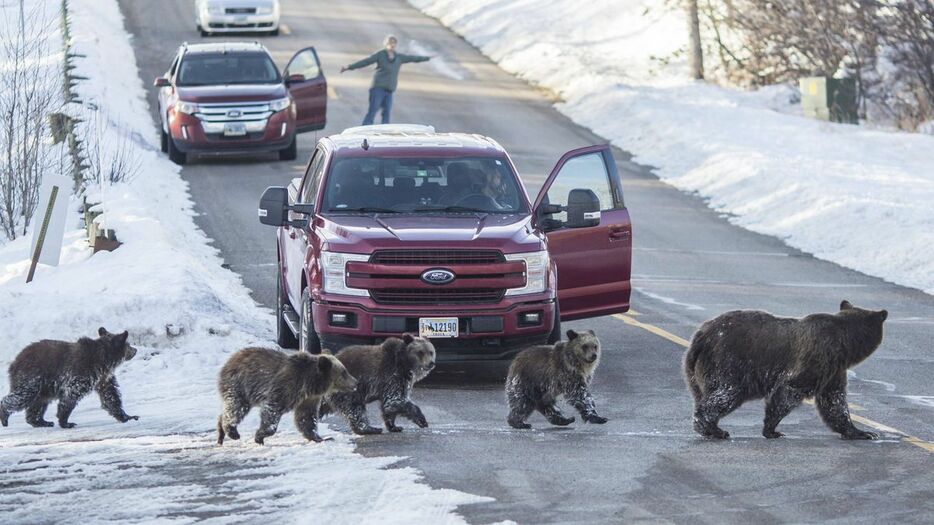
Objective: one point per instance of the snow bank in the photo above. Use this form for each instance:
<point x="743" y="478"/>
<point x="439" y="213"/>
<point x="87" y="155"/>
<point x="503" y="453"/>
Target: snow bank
<point x="165" y="465"/>
<point x="857" y="197"/>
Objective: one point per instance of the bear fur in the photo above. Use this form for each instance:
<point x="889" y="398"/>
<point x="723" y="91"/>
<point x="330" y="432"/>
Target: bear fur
<point x="387" y="373"/>
<point x="277" y="382"/>
<point x="50" y="369"/>
<point x="743" y="355"/>
<point x="539" y="375"/>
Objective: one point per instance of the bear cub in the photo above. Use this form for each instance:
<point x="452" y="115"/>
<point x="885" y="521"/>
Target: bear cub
<point x="66" y="371"/>
<point x="277" y="382"/>
<point x="539" y="375"/>
<point x="387" y="373"/>
<point x="744" y="355"/>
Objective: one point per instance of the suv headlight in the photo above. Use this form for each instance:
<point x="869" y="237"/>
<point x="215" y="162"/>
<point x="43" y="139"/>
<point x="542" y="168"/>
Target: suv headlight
<point x="280" y="104"/>
<point x="536" y="271"/>
<point x="214" y="9"/>
<point x="264" y="10"/>
<point x="334" y="272"/>
<point x="188" y="108"/>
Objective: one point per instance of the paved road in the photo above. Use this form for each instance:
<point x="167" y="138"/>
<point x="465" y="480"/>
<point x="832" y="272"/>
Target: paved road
<point x="689" y="264"/>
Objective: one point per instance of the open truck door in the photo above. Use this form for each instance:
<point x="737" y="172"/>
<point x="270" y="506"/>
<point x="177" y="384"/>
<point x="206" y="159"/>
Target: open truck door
<point x="309" y="89"/>
<point x="581" y="210"/>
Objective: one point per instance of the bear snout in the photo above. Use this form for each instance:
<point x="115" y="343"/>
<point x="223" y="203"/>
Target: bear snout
<point x="130" y="353"/>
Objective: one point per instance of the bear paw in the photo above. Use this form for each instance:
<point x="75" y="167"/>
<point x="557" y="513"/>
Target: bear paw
<point x="521" y="425"/>
<point x="772" y="434"/>
<point x="368" y="431"/>
<point x="41" y="423"/>
<point x="126" y="418"/>
<point x="861" y="434"/>
<point x="394" y="428"/>
<point x="66" y="425"/>
<point x="599" y="420"/>
<point x="562" y="421"/>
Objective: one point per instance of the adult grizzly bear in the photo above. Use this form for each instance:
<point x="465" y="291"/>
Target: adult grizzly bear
<point x="49" y="369"/>
<point x="387" y="373"/>
<point x="538" y="376"/>
<point x="277" y="382"/>
<point x="745" y="355"/>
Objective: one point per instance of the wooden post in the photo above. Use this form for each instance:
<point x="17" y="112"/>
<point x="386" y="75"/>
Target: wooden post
<point x="697" y="52"/>
<point x="42" y="230"/>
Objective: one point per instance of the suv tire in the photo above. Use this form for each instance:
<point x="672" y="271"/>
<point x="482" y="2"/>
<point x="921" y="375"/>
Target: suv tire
<point x="291" y="152"/>
<point x="176" y="156"/>
<point x="284" y="336"/>
<point x="555" y="334"/>
<point x="308" y="340"/>
<point x="163" y="141"/>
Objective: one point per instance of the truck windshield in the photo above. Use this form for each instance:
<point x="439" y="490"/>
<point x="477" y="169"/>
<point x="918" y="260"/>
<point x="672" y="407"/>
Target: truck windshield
<point x="423" y="185"/>
<point x="209" y="69"/>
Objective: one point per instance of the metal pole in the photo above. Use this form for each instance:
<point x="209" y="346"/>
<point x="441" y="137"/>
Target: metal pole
<point x="42" y="230"/>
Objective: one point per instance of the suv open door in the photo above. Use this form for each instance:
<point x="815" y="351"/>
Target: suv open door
<point x="580" y="208"/>
<point x="309" y="89"/>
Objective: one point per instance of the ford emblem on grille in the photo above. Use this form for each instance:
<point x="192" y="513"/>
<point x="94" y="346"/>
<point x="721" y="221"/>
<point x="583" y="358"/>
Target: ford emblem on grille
<point x="437" y="276"/>
<point x="233" y="113"/>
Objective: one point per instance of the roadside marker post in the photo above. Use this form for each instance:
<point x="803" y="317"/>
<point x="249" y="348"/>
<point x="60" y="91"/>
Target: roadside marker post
<point x="48" y="235"/>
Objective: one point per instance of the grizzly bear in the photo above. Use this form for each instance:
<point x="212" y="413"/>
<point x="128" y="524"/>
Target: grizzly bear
<point x="386" y="373"/>
<point x="744" y="355"/>
<point x="539" y="375"/>
<point x="50" y="369"/>
<point x="277" y="382"/>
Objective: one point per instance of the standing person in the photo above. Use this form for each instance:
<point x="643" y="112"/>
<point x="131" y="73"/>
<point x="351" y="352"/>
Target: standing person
<point x="388" y="62"/>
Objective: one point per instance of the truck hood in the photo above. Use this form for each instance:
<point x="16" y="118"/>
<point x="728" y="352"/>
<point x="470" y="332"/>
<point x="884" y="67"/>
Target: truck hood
<point x="232" y="93"/>
<point x="363" y="234"/>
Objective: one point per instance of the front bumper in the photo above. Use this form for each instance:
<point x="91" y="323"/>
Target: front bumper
<point x="191" y="135"/>
<point x="238" y="23"/>
<point x="490" y="333"/>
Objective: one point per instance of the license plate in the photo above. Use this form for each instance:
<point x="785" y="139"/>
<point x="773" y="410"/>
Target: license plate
<point x="234" y="130"/>
<point x="241" y="19"/>
<point x="437" y="327"/>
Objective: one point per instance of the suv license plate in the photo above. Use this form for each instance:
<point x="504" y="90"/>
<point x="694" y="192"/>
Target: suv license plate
<point x="437" y="327"/>
<point x="234" y="130"/>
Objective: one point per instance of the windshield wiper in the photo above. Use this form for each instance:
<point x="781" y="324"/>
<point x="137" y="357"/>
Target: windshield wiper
<point x="455" y="209"/>
<point x="365" y="209"/>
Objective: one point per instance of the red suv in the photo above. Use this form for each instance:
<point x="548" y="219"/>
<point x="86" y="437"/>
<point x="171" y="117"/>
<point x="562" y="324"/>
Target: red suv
<point x="230" y="98"/>
<point x="398" y="229"/>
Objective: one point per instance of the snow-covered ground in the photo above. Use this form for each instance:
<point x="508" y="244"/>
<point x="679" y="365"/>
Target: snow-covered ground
<point x="858" y="197"/>
<point x="165" y="467"/>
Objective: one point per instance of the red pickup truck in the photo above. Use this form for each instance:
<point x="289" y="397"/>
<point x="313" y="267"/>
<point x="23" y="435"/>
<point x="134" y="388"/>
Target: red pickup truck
<point x="230" y="98"/>
<point x="396" y="228"/>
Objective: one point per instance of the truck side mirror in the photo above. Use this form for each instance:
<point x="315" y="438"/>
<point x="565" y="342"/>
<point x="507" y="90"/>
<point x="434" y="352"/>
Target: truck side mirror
<point x="160" y="82"/>
<point x="274" y="206"/>
<point x="583" y="209"/>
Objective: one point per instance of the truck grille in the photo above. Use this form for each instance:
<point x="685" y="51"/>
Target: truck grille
<point x="436" y="257"/>
<point x="437" y="296"/>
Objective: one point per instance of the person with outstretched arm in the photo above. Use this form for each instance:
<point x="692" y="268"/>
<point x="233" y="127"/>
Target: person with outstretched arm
<point x="388" y="62"/>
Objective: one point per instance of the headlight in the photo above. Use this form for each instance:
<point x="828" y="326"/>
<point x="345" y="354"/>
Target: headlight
<point x="214" y="9"/>
<point x="334" y="272"/>
<point x="536" y="272"/>
<point x="265" y="10"/>
<point x="279" y="105"/>
<point x="189" y="108"/>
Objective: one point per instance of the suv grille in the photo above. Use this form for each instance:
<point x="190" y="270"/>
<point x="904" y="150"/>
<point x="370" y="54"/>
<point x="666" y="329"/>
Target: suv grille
<point x="241" y="11"/>
<point x="436" y="257"/>
<point x="438" y="296"/>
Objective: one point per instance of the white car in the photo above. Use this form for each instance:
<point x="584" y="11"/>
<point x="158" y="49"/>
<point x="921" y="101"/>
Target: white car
<point x="237" y="16"/>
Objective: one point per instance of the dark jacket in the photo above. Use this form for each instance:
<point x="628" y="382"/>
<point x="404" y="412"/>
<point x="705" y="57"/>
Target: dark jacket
<point x="387" y="71"/>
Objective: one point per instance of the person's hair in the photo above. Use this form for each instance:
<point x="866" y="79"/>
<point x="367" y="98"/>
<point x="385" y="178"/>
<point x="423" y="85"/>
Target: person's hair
<point x="388" y="38"/>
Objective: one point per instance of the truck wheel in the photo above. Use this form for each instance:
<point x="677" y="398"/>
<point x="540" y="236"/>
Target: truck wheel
<point x="178" y="157"/>
<point x="163" y="141"/>
<point x="291" y="152"/>
<point x="308" y="340"/>
<point x="284" y="336"/>
<point x="555" y="334"/>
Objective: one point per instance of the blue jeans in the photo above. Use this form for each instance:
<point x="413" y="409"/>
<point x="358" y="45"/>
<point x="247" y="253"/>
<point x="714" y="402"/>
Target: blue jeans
<point x="379" y="99"/>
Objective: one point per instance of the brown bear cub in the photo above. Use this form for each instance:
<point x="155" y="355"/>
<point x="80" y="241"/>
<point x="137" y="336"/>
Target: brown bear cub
<point x="539" y="375"/>
<point x="745" y="355"/>
<point x="387" y="373"/>
<point x="277" y="382"/>
<point x="49" y="370"/>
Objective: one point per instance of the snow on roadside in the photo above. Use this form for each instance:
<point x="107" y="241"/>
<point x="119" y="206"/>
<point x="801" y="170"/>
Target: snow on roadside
<point x="857" y="197"/>
<point x="165" y="466"/>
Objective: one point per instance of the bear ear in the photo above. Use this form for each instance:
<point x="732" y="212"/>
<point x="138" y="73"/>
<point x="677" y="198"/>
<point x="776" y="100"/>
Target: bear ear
<point x="845" y="305"/>
<point x="572" y="335"/>
<point x="884" y="314"/>
<point x="324" y="364"/>
<point x="119" y="340"/>
<point x="407" y="338"/>
<point x="102" y="331"/>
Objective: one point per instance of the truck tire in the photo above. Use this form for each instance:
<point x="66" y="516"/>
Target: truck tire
<point x="555" y="334"/>
<point x="284" y="336"/>
<point x="291" y="152"/>
<point x="308" y="340"/>
<point x="176" y="156"/>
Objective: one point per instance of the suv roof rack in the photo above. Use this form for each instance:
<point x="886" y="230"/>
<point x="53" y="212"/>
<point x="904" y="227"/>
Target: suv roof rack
<point x="388" y="129"/>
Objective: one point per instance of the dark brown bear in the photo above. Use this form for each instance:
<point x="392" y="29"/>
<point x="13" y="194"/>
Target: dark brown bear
<point x="745" y="355"/>
<point x="277" y="382"/>
<point x="66" y="371"/>
<point x="386" y="373"/>
<point x="539" y="375"/>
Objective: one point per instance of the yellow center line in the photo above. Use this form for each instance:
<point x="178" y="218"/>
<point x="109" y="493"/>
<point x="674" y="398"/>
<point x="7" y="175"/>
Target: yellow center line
<point x="664" y="334"/>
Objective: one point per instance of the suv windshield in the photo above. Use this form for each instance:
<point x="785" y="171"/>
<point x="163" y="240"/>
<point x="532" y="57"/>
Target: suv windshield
<point x="422" y="185"/>
<point x="206" y="69"/>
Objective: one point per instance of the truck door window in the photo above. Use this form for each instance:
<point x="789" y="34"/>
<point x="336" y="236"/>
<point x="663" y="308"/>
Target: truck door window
<point x="586" y="172"/>
<point x="313" y="178"/>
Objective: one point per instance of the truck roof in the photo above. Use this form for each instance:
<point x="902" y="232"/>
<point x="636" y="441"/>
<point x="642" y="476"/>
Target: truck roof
<point x="416" y="139"/>
<point x="223" y="47"/>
